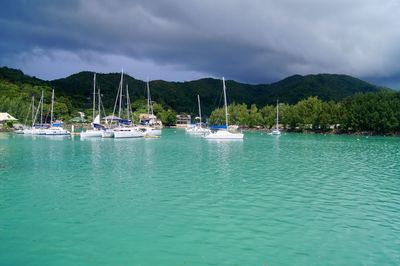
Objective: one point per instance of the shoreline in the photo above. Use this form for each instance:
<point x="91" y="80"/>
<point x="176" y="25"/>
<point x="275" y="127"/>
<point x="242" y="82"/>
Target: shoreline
<point x="328" y="132"/>
<point x="266" y="130"/>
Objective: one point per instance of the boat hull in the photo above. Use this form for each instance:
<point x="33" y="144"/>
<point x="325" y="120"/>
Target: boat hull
<point x="56" y="131"/>
<point x="197" y="131"/>
<point x="91" y="134"/>
<point x="128" y="133"/>
<point x="38" y="131"/>
<point x="222" y="134"/>
<point x="275" y="132"/>
<point x="153" y="132"/>
<point x="107" y="134"/>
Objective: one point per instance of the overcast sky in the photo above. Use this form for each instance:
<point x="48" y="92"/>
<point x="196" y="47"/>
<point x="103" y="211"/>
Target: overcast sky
<point x="255" y="41"/>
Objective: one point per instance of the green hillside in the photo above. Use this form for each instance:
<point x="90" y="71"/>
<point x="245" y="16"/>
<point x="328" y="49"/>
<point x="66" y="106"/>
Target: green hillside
<point x="325" y="86"/>
<point x="182" y="96"/>
<point x="74" y="92"/>
<point x="18" y="77"/>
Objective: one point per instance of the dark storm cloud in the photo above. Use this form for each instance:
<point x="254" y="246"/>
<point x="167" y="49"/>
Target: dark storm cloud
<point x="252" y="41"/>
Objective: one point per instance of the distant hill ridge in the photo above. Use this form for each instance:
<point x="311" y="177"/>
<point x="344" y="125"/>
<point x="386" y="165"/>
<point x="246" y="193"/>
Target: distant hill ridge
<point x="182" y="96"/>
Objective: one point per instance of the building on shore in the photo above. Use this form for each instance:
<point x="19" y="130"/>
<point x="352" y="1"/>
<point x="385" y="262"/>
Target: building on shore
<point x="183" y="120"/>
<point x="6" y="117"/>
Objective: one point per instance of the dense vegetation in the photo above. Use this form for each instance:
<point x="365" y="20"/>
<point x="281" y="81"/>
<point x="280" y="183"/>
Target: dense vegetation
<point x="17" y="89"/>
<point x="377" y="113"/>
<point x="313" y="102"/>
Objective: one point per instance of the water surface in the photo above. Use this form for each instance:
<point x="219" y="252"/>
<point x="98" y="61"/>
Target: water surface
<point x="182" y="200"/>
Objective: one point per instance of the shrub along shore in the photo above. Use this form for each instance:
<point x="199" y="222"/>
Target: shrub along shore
<point x="375" y="113"/>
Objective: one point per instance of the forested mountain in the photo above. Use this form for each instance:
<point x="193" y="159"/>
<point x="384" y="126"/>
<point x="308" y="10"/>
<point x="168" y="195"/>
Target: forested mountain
<point x="182" y="96"/>
<point x="17" y="76"/>
<point x="325" y="86"/>
<point x="76" y="90"/>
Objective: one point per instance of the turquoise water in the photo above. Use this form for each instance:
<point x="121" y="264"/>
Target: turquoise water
<point x="182" y="200"/>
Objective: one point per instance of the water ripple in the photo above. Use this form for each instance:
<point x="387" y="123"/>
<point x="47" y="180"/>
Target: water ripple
<point x="293" y="200"/>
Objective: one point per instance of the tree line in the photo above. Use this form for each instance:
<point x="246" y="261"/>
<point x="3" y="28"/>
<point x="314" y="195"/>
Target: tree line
<point x="375" y="112"/>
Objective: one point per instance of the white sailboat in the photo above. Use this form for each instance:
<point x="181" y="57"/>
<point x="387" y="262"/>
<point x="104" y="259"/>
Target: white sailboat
<point x="125" y="128"/>
<point x="39" y="129"/>
<point x="224" y="133"/>
<point x="197" y="129"/>
<point x="276" y="130"/>
<point x="97" y="128"/>
<point x="28" y="130"/>
<point x="107" y="133"/>
<point x="150" y="126"/>
<point x="55" y="128"/>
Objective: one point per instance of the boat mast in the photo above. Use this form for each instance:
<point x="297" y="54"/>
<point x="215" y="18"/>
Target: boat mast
<point x="37" y="112"/>
<point x="94" y="96"/>
<point x="148" y="97"/>
<point x="99" y="103"/>
<point x="115" y="105"/>
<point x="198" y="100"/>
<point x="277" y="115"/>
<point x="120" y="95"/>
<point x="52" y="108"/>
<point x="33" y="110"/>
<point x="226" y="106"/>
<point x="127" y="102"/>
<point x="148" y="92"/>
<point x="41" y="111"/>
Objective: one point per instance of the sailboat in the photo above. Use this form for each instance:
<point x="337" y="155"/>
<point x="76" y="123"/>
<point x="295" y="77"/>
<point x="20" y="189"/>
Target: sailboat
<point x="125" y="128"/>
<point x="97" y="128"/>
<point x="276" y="130"/>
<point x="197" y="129"/>
<point x="224" y="133"/>
<point x="39" y="129"/>
<point x="28" y="130"/>
<point x="149" y="124"/>
<point x="55" y="128"/>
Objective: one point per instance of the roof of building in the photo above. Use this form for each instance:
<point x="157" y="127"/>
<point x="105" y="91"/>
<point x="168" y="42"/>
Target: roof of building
<point x="7" y="117"/>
